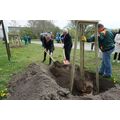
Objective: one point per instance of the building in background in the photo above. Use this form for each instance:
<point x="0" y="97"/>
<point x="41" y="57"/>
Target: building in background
<point x="1" y="33"/>
<point x="14" y="29"/>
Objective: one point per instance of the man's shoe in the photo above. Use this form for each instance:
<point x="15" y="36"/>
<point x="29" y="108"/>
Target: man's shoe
<point x="100" y="73"/>
<point x="106" y="76"/>
<point x="43" y="61"/>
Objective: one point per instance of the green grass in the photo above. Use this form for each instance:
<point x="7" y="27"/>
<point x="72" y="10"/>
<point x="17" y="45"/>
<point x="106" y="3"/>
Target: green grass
<point x="22" y="57"/>
<point x="90" y="64"/>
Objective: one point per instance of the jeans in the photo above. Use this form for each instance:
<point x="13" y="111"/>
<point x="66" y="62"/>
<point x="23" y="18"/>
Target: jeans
<point x="106" y="66"/>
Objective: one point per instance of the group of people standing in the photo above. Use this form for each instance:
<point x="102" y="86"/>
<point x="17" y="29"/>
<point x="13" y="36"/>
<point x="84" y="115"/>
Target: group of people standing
<point x="108" y="42"/>
<point x="26" y="39"/>
<point x="48" y="44"/>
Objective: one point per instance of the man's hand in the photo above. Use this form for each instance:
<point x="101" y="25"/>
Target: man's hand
<point x="83" y="38"/>
<point x="45" y="49"/>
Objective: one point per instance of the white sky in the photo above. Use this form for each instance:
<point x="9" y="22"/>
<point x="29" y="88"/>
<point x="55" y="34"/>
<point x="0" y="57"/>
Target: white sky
<point x="63" y="23"/>
<point x="59" y="23"/>
<point x="107" y="11"/>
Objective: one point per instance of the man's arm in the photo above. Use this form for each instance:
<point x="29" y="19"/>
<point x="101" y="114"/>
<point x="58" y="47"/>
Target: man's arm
<point x="91" y="39"/>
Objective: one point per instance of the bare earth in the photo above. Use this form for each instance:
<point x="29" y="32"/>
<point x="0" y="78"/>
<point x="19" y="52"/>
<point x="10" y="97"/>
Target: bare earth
<point x="42" y="82"/>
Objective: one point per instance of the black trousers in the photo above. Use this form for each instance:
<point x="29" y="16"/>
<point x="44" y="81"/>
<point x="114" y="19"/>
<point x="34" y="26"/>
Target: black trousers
<point x="92" y="45"/>
<point x="45" y="54"/>
<point x="115" y="56"/>
<point x="67" y="53"/>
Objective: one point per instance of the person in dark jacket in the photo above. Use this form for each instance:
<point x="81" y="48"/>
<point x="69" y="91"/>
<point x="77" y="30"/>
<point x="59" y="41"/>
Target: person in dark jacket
<point x="42" y="37"/>
<point x="29" y="39"/>
<point x="106" y="45"/>
<point x="25" y="38"/>
<point x="49" y="47"/>
<point x="92" y="46"/>
<point x="67" y="41"/>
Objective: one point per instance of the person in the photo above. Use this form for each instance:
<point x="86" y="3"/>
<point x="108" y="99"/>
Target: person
<point x="107" y="46"/>
<point x="58" y="38"/>
<point x="42" y="37"/>
<point x="25" y="38"/>
<point x="29" y="39"/>
<point x="48" y="45"/>
<point x="117" y="48"/>
<point x="52" y="35"/>
<point x="67" y="41"/>
<point x="92" y="46"/>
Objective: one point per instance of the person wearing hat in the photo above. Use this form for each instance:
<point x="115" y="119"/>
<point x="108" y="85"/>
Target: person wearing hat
<point x="67" y="41"/>
<point x="107" y="46"/>
<point x="48" y="45"/>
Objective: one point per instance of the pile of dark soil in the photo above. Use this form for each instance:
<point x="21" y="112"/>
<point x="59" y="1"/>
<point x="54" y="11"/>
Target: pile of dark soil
<point x="40" y="82"/>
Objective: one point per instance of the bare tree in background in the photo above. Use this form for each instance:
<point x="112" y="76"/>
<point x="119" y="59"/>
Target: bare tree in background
<point x="39" y="26"/>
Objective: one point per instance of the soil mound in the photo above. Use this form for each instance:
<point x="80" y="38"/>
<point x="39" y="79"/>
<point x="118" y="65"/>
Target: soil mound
<point x="42" y="82"/>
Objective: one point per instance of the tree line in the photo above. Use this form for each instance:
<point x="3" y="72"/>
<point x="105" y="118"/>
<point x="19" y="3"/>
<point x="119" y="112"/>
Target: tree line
<point x="35" y="27"/>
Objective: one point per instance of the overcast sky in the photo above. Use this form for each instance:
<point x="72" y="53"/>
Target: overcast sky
<point x="62" y="23"/>
<point x="59" y="23"/>
<point x="107" y="11"/>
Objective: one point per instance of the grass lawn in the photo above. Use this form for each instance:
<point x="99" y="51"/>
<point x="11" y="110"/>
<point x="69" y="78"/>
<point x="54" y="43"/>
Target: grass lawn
<point x="22" y="57"/>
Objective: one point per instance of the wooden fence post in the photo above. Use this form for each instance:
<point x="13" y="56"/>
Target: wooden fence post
<point x="96" y="57"/>
<point x="74" y="56"/>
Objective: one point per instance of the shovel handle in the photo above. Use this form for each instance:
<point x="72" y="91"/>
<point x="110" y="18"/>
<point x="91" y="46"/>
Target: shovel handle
<point x="50" y="56"/>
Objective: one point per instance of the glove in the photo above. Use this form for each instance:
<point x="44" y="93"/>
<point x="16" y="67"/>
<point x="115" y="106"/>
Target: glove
<point x="83" y="38"/>
<point x="103" y="32"/>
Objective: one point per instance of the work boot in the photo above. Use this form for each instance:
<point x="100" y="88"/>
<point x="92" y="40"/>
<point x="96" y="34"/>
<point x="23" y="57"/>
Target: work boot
<point x="43" y="60"/>
<point x="100" y="73"/>
<point x="107" y="76"/>
<point x="44" y="57"/>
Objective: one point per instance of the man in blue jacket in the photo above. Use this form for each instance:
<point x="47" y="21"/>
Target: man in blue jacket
<point x="106" y="45"/>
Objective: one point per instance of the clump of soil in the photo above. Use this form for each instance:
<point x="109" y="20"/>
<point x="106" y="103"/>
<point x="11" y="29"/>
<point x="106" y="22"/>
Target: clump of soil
<point x="42" y="82"/>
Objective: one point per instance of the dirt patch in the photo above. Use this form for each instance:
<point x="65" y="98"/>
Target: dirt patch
<point x="62" y="73"/>
<point x="40" y="82"/>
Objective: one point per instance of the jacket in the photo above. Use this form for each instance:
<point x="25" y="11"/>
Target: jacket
<point x="67" y="41"/>
<point x="106" y="42"/>
<point x="49" y="45"/>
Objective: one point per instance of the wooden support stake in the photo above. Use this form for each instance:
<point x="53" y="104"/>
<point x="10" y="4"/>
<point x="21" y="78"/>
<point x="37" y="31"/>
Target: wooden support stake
<point x="6" y="42"/>
<point x="74" y="55"/>
<point x="96" y="56"/>
<point x="81" y="55"/>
